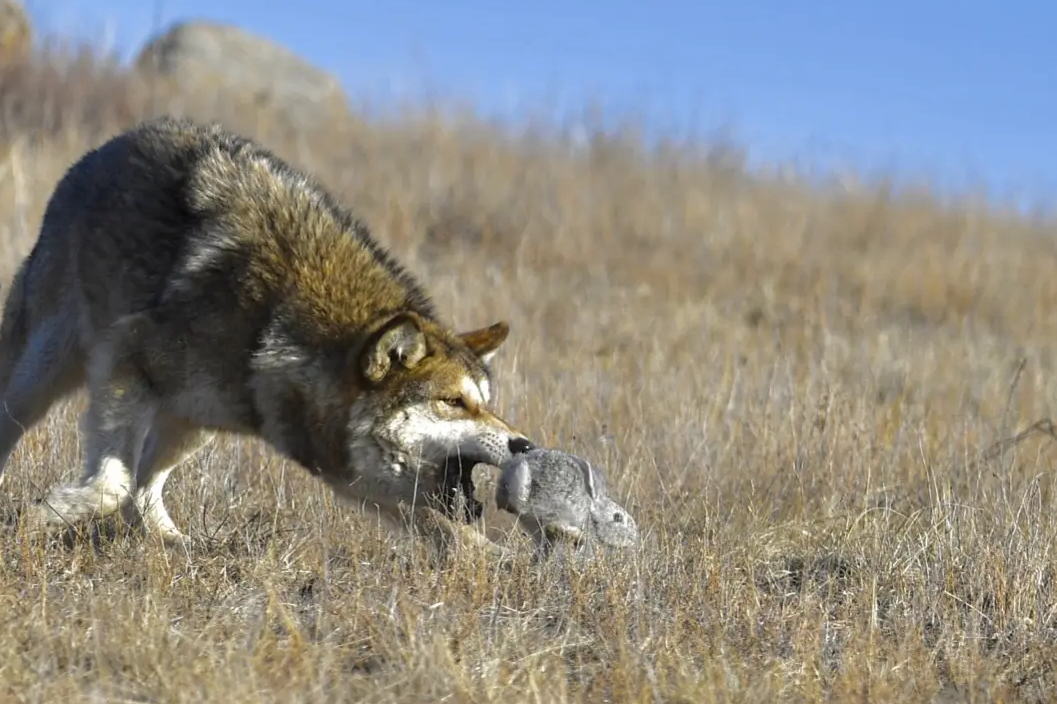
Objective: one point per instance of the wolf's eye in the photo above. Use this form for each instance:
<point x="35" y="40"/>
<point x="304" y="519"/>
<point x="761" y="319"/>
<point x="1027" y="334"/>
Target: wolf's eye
<point x="454" y="402"/>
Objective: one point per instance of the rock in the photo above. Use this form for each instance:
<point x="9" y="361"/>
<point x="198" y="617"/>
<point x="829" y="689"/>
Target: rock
<point x="15" y="33"/>
<point x="199" y="58"/>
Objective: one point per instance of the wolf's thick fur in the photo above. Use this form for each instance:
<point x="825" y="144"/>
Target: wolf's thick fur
<point x="196" y="283"/>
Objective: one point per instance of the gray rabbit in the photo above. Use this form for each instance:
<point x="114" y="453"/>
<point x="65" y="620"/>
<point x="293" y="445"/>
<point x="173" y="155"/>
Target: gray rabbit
<point x="561" y="500"/>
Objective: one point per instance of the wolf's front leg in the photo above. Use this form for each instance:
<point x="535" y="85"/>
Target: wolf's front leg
<point x="120" y="412"/>
<point x="171" y="441"/>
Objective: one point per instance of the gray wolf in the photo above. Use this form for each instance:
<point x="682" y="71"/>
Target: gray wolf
<point x="195" y="283"/>
<point x="560" y="499"/>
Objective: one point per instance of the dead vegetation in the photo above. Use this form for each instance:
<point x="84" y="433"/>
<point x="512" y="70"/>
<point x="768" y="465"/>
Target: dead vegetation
<point x="794" y="392"/>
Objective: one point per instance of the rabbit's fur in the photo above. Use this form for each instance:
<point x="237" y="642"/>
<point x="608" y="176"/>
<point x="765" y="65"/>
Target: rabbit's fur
<point x="560" y="499"/>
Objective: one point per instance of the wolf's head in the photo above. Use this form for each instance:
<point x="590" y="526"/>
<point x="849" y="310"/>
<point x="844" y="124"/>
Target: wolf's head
<point x="388" y="417"/>
<point x="428" y="397"/>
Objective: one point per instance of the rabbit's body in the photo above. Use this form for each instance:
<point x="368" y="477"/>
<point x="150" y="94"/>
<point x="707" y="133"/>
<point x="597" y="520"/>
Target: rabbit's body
<point x="560" y="498"/>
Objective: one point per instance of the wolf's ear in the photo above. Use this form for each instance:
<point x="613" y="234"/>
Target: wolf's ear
<point x="486" y="341"/>
<point x="400" y="340"/>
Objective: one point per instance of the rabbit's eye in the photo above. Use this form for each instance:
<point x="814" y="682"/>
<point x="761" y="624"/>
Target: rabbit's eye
<point x="454" y="402"/>
<point x="618" y="517"/>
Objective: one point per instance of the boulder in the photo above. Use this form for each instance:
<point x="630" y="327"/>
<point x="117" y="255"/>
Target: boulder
<point x="15" y="33"/>
<point x="207" y="59"/>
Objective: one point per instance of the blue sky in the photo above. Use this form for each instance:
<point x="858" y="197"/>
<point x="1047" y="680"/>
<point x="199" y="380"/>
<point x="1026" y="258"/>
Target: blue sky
<point x="962" y="92"/>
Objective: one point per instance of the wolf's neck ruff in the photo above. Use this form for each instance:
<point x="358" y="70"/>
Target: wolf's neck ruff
<point x="303" y="248"/>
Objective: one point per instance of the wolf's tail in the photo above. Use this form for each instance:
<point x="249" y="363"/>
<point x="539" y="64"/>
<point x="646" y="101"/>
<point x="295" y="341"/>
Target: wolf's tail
<point x="14" y="329"/>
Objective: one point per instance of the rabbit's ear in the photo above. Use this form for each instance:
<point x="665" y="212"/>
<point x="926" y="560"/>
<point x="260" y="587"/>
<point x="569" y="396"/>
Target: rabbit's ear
<point x="589" y="476"/>
<point x="512" y="490"/>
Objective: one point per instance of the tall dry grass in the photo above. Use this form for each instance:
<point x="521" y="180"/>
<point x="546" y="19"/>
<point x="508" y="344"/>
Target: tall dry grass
<point x="793" y="390"/>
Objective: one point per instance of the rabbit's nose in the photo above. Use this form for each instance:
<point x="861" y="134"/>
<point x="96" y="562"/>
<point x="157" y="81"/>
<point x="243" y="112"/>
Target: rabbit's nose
<point x="519" y="445"/>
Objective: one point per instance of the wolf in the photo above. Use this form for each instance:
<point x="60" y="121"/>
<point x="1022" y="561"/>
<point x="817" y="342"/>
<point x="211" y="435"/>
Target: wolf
<point x="196" y="283"/>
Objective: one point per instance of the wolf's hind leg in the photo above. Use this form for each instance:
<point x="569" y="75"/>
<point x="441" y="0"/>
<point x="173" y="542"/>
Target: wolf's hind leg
<point x="47" y="366"/>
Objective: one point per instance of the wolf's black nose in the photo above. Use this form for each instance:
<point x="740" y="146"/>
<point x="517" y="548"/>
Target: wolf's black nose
<point x="519" y="445"/>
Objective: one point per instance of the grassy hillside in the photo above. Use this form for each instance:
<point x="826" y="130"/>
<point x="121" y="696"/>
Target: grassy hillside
<point x="793" y="391"/>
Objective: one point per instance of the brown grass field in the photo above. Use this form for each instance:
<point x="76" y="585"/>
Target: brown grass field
<point x="797" y="392"/>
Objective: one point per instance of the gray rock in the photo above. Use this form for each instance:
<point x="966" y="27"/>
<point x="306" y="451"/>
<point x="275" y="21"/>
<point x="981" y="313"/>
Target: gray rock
<point x="15" y="32"/>
<point x="200" y="58"/>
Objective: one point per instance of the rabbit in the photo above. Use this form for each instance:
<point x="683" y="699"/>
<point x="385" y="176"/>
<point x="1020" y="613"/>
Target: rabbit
<point x="561" y="500"/>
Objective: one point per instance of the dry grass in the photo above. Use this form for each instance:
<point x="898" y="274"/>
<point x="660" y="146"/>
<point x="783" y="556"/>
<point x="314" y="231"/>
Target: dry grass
<point x="792" y="391"/>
